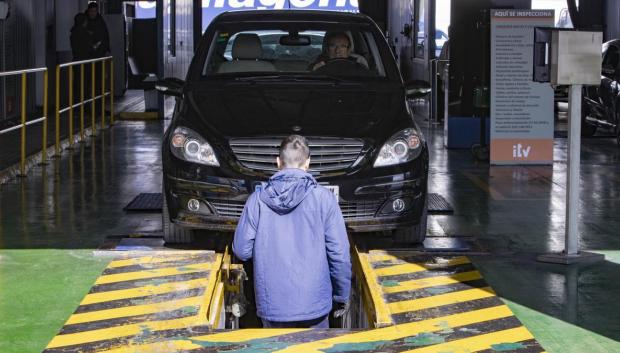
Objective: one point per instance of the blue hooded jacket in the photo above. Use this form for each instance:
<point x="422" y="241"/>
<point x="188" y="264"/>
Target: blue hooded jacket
<point x="294" y="231"/>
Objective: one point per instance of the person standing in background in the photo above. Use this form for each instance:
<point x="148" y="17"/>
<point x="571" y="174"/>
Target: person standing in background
<point x="98" y="30"/>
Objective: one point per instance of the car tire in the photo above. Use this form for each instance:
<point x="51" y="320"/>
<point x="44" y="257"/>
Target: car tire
<point x="174" y="234"/>
<point x="414" y="234"/>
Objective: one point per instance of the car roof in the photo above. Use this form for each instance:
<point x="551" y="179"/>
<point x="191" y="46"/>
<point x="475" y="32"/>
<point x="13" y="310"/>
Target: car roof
<point x="291" y="15"/>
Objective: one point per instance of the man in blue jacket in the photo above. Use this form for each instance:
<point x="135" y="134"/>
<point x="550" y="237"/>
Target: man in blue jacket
<point x="293" y="230"/>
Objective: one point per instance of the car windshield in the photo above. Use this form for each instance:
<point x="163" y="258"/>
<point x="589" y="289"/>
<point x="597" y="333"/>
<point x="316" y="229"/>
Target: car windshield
<point x="345" y="52"/>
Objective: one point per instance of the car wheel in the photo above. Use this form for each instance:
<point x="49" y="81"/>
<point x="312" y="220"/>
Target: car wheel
<point x="174" y="234"/>
<point x="414" y="234"/>
<point x="587" y="129"/>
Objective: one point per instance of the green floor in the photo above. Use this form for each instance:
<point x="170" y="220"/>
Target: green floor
<point x="51" y="222"/>
<point x="39" y="289"/>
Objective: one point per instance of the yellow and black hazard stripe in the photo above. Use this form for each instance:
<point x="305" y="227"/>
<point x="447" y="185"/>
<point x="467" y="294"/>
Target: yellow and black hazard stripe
<point x="417" y="288"/>
<point x="141" y="299"/>
<point x="425" y="304"/>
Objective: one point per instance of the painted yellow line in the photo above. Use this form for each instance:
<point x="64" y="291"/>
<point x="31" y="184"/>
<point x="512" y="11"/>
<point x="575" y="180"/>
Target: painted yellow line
<point x="495" y="194"/>
<point x="176" y="344"/>
<point x="135" y="310"/>
<point x="122" y="331"/>
<point x="160" y="272"/>
<point x="441" y="299"/>
<point x="432" y="282"/>
<point x="478" y="343"/>
<point x="161" y="257"/>
<point x="380" y="256"/>
<point x="411" y="268"/>
<point x="143" y="291"/>
<point x="404" y="330"/>
<point x="381" y="314"/>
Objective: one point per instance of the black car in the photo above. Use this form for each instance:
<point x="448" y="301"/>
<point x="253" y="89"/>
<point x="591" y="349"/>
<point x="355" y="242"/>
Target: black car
<point x="601" y="106"/>
<point x="241" y="97"/>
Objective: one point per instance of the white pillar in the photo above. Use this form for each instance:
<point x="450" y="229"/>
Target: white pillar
<point x="572" y="173"/>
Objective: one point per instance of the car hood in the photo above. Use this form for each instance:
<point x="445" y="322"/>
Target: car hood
<point x="318" y="111"/>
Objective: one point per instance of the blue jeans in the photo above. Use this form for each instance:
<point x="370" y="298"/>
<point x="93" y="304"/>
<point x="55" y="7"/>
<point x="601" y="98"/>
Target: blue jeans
<point x="321" y="322"/>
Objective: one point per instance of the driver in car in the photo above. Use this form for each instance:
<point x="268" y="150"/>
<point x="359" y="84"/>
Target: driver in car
<point x="338" y="47"/>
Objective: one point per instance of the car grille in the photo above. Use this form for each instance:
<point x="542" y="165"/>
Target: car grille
<point x="327" y="154"/>
<point x="350" y="210"/>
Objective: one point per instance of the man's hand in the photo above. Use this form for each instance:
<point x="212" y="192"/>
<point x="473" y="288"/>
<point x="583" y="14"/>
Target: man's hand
<point x="318" y="65"/>
<point x="340" y="309"/>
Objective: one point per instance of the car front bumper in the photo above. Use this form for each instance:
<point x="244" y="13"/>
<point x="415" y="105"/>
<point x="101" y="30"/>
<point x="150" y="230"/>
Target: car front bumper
<point x="366" y="203"/>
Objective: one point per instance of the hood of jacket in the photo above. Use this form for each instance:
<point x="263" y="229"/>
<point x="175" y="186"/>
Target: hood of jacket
<point x="286" y="189"/>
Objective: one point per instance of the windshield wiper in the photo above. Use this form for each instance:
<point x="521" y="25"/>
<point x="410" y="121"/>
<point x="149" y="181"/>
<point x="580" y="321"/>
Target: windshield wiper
<point x="292" y="78"/>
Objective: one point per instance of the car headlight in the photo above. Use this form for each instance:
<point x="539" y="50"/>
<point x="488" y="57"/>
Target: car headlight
<point x="187" y="145"/>
<point x="402" y="147"/>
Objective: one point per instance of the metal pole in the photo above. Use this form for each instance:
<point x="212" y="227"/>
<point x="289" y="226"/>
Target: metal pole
<point x="81" y="102"/>
<point x="571" y="253"/>
<point x="112" y="92"/>
<point x="574" y="161"/>
<point x="57" y="145"/>
<point x="3" y="69"/>
<point x="433" y="115"/>
<point x="70" y="135"/>
<point x="22" y="162"/>
<point x="103" y="94"/>
<point x="93" y="126"/>
<point x="45" y="115"/>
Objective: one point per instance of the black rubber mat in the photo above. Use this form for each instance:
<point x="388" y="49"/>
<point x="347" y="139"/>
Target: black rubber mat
<point x="146" y="202"/>
<point x="437" y="204"/>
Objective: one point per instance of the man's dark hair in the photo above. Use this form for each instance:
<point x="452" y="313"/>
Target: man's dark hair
<point x="92" y="4"/>
<point x="294" y="151"/>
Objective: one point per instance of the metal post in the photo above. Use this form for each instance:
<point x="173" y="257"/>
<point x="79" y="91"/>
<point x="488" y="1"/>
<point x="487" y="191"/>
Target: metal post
<point x="70" y="135"/>
<point x="571" y="253"/>
<point x="433" y="109"/>
<point x="103" y="94"/>
<point x="57" y="144"/>
<point x="111" y="91"/>
<point x="93" y="127"/>
<point x="81" y="102"/>
<point x="22" y="162"/>
<point x="45" y="115"/>
<point x="574" y="161"/>
<point x="3" y="69"/>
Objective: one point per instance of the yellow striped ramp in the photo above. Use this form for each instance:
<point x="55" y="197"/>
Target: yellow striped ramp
<point x="419" y="303"/>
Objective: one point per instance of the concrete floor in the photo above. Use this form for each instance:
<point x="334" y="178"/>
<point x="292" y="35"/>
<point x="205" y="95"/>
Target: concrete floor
<point x="51" y="221"/>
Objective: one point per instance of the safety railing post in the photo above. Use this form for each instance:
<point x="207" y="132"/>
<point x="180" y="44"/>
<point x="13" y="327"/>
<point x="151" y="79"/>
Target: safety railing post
<point x="57" y="143"/>
<point x="103" y="94"/>
<point x="45" y="115"/>
<point x="22" y="162"/>
<point x="93" y="126"/>
<point x="112" y="91"/>
<point x="70" y="135"/>
<point x="81" y="102"/>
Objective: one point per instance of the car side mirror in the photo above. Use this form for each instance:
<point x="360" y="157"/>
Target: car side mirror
<point x="171" y="86"/>
<point x="417" y="89"/>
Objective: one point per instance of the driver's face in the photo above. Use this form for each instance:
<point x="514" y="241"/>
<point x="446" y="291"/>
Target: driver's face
<point x="92" y="13"/>
<point x="338" y="48"/>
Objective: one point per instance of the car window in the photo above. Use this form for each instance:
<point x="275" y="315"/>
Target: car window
<point x="300" y="51"/>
